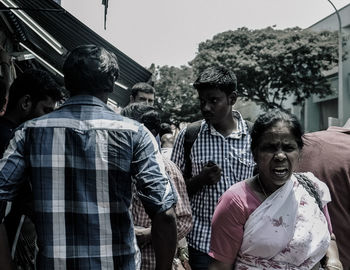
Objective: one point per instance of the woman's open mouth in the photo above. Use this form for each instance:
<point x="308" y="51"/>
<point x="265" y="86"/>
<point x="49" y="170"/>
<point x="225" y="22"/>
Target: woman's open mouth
<point x="281" y="171"/>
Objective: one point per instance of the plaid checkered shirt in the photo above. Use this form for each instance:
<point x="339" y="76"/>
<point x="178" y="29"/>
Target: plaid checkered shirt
<point x="80" y="160"/>
<point x="232" y="154"/>
<point x="182" y="210"/>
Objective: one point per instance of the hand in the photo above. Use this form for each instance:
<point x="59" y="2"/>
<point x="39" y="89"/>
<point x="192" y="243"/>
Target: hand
<point x="334" y="265"/>
<point x="177" y="265"/>
<point x="210" y="174"/>
<point x="143" y="236"/>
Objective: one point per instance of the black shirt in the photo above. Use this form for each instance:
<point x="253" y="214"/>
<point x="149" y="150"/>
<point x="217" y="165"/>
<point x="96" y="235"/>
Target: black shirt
<point x="6" y="129"/>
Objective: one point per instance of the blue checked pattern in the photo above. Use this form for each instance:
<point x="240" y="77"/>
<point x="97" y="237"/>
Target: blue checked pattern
<point x="232" y="154"/>
<point x="80" y="159"/>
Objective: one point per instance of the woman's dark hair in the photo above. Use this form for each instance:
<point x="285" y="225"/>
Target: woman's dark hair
<point x="267" y="120"/>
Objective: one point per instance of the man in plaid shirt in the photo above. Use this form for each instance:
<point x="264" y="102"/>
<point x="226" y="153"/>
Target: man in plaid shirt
<point x="80" y="160"/>
<point x="150" y="118"/>
<point x="220" y="156"/>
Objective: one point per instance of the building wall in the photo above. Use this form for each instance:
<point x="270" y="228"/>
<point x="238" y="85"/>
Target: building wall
<point x="332" y="110"/>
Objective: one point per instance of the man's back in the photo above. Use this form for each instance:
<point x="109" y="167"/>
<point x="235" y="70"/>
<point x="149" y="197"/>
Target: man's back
<point x="327" y="155"/>
<point x="80" y="159"/>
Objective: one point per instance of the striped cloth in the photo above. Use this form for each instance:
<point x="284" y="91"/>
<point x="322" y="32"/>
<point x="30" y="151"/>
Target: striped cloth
<point x="80" y="159"/>
<point x="232" y="154"/>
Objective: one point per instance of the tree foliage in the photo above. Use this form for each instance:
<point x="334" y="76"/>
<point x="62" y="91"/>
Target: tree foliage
<point x="176" y="98"/>
<point x="272" y="65"/>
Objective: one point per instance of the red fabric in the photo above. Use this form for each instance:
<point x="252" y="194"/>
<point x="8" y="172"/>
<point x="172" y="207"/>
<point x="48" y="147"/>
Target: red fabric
<point x="327" y="155"/>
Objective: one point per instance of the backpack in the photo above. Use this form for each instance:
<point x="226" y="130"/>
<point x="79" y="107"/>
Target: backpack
<point x="191" y="135"/>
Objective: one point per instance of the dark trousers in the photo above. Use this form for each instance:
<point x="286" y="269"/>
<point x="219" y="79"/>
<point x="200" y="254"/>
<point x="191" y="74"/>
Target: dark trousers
<point x="198" y="260"/>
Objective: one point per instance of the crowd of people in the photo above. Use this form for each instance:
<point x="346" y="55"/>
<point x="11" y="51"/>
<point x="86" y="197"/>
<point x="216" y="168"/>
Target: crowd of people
<point x="85" y="187"/>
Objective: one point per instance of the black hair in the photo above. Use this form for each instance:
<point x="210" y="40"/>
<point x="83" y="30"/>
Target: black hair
<point x="90" y="69"/>
<point x="218" y="78"/>
<point x="165" y="128"/>
<point x="144" y="114"/>
<point x="151" y="120"/>
<point x="269" y="119"/>
<point x="39" y="84"/>
<point x="142" y="87"/>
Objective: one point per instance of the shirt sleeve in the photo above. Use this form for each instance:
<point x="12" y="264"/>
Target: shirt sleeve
<point x="153" y="186"/>
<point x="177" y="155"/>
<point x="227" y="228"/>
<point x="12" y="167"/>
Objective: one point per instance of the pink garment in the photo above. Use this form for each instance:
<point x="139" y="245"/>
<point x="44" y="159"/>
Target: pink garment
<point x="238" y="203"/>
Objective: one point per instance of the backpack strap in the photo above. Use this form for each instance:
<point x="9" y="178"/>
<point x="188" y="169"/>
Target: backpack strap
<point x="309" y="187"/>
<point x="191" y="134"/>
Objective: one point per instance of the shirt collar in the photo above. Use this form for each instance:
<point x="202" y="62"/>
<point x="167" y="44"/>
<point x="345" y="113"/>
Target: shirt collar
<point x="85" y="100"/>
<point x="338" y="129"/>
<point x="237" y="134"/>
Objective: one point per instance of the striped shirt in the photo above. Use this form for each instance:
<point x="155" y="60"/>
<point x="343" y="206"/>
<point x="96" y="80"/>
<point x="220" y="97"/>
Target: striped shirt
<point x="80" y="160"/>
<point x="182" y="210"/>
<point x="232" y="154"/>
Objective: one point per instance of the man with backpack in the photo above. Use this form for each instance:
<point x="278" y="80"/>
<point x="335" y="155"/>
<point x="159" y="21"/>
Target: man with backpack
<point x="213" y="154"/>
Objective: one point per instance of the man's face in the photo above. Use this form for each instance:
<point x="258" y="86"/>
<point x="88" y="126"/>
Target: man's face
<point x="42" y="107"/>
<point x="215" y="105"/>
<point x="142" y="97"/>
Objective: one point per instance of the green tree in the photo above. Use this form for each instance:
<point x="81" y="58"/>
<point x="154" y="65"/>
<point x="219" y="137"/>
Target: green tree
<point x="272" y="65"/>
<point x="175" y="96"/>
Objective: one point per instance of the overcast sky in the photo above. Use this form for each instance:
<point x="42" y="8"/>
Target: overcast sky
<point x="168" y="32"/>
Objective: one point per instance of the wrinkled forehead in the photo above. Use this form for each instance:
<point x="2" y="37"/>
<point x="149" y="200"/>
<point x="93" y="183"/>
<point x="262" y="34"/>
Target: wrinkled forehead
<point x="281" y="131"/>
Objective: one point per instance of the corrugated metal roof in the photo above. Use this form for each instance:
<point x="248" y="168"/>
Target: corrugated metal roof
<point x="70" y="32"/>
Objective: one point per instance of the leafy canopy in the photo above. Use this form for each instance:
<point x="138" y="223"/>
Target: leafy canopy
<point x="272" y="65"/>
<point x="176" y="98"/>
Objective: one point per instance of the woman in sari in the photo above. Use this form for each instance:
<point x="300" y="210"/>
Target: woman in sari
<point x="276" y="219"/>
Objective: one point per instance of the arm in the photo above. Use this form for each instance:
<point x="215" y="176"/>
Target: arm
<point x="11" y="170"/>
<point x="216" y="265"/>
<point x="183" y="207"/>
<point x="164" y="238"/>
<point x="12" y="167"/>
<point x="5" y="257"/>
<point x="227" y="229"/>
<point x="157" y="196"/>
<point x="332" y="261"/>
<point x="210" y="174"/>
<point x="143" y="236"/>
